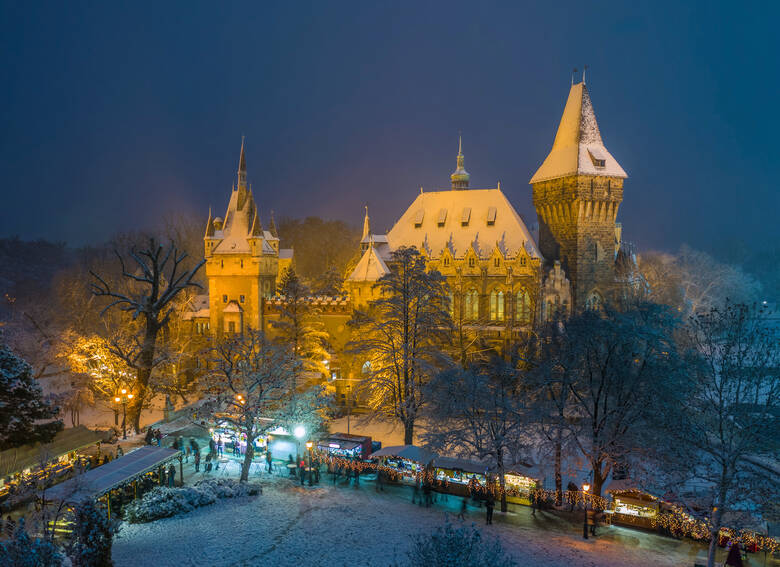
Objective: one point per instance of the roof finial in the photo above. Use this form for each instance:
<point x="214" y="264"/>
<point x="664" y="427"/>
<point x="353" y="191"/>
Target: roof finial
<point x="460" y="177"/>
<point x="584" y="68"/>
<point x="421" y="190"/>
<point x="460" y="143"/>
<point x="366" y="227"/>
<point x="242" y="167"/>
<point x="573" y="72"/>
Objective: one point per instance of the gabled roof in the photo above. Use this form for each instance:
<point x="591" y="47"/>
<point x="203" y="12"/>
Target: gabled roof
<point x="578" y="148"/>
<point x="370" y="268"/>
<point x="484" y="216"/>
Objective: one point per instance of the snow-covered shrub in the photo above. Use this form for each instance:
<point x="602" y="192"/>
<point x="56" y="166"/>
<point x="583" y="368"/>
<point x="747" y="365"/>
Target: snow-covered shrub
<point x="460" y="546"/>
<point x="24" y="551"/>
<point x="163" y="502"/>
<point x="93" y="535"/>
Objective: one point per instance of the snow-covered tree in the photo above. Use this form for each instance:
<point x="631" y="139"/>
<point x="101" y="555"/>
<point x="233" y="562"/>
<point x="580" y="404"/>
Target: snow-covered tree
<point x="25" y="551"/>
<point x="93" y="535"/>
<point x="249" y="383"/>
<point x="148" y="296"/>
<point x="610" y="364"/>
<point x="461" y="546"/>
<point x="401" y="337"/>
<point x="479" y="411"/>
<point x="718" y="441"/>
<point x="298" y="324"/>
<point x="25" y="416"/>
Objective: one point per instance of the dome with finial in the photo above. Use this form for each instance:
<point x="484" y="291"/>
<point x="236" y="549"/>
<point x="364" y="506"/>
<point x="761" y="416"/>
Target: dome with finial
<point x="460" y="177"/>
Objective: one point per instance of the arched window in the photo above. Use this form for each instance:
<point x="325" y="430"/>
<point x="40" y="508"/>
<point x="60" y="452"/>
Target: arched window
<point x="594" y="301"/>
<point x="523" y="307"/>
<point x="472" y="305"/>
<point x="497" y="305"/>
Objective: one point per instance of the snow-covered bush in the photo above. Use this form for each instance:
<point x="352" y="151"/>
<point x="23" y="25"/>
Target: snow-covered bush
<point x="25" y="551"/>
<point x="460" y="546"/>
<point x="163" y="502"/>
<point x="93" y="535"/>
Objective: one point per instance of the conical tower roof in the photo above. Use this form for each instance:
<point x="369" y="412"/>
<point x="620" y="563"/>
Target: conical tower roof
<point x="460" y="177"/>
<point x="578" y="148"/>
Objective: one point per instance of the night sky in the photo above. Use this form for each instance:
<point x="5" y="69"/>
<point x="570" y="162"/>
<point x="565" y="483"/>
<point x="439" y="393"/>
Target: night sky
<point x="112" y="116"/>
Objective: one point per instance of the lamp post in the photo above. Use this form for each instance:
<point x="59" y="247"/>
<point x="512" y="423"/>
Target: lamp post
<point x="585" y="488"/>
<point x="309" y="445"/>
<point x="123" y="399"/>
<point x="349" y="404"/>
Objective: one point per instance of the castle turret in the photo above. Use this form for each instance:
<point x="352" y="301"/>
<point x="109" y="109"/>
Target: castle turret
<point x="577" y="192"/>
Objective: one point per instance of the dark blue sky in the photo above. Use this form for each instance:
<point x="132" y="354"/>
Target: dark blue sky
<point x="113" y="115"/>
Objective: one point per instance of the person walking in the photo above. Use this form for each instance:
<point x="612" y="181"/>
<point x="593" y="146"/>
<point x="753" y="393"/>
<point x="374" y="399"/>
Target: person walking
<point x="416" y="492"/>
<point x="187" y="454"/>
<point x="533" y="502"/>
<point x="149" y="436"/>
<point x="463" y="508"/>
<point x="159" y="438"/>
<point x="269" y="461"/>
<point x="220" y="446"/>
<point x="197" y="461"/>
<point x="119" y="451"/>
<point x="171" y="476"/>
<point x="490" y="503"/>
<point x="380" y="481"/>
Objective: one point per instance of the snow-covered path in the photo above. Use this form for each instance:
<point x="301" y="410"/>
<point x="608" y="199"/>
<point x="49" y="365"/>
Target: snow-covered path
<point x="326" y="525"/>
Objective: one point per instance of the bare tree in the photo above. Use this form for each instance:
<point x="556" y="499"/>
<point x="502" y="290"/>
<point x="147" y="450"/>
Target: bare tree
<point x="480" y="411"/>
<point x="401" y="337"/>
<point x="718" y="431"/>
<point x="250" y="384"/>
<point x="159" y="276"/>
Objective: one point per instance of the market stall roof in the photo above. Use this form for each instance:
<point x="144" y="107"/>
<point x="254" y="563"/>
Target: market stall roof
<point x="96" y="482"/>
<point x="409" y="452"/>
<point x="340" y="444"/>
<point x="464" y="465"/>
<point x="16" y="460"/>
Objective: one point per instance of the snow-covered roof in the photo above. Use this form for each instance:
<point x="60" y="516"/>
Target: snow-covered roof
<point x="456" y="220"/>
<point x="578" y="148"/>
<point x="370" y="268"/>
<point x="199" y="307"/>
<point x="232" y="307"/>
<point x="409" y="452"/>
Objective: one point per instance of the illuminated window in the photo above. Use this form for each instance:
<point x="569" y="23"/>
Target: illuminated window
<point x="241" y="298"/>
<point x="224" y="299"/>
<point x="471" y="305"/>
<point x="472" y="262"/>
<point x="497" y="305"/>
<point x="594" y="301"/>
<point x="523" y="307"/>
<point x="522" y="260"/>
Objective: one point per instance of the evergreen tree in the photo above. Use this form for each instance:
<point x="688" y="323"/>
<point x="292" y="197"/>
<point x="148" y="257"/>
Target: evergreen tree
<point x="93" y="534"/>
<point x="25" y="417"/>
<point x="24" y="551"/>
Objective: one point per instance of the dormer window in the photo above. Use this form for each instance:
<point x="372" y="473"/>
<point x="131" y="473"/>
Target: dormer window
<point x="418" y="218"/>
<point x="522" y="260"/>
<point x="497" y="262"/>
<point x="442" y="217"/>
<point x="466" y="216"/>
<point x="491" y="217"/>
<point x="472" y="262"/>
<point x="446" y="261"/>
<point x="597" y="157"/>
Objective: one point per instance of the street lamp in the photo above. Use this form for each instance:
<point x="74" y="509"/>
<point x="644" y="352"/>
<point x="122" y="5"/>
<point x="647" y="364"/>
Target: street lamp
<point x="124" y="399"/>
<point x="585" y="488"/>
<point x="309" y="445"/>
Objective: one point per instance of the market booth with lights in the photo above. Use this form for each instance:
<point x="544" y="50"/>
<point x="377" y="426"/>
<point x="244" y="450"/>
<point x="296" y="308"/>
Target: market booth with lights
<point x="457" y="474"/>
<point x="346" y="446"/>
<point x="630" y="506"/>
<point x="521" y="480"/>
<point x="407" y="461"/>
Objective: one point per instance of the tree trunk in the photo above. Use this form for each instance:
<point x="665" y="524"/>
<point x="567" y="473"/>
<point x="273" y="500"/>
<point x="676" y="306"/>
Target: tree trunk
<point x="598" y="480"/>
<point x="145" y="363"/>
<point x="715" y="533"/>
<point x="558" y="475"/>
<point x="250" y="453"/>
<point x="502" y="482"/>
<point x="409" y="432"/>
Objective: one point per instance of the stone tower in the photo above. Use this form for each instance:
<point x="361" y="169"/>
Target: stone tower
<point x="242" y="262"/>
<point x="577" y="192"/>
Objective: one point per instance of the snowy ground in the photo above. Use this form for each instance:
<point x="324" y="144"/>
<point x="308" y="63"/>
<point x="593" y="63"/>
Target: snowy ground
<point x="342" y="525"/>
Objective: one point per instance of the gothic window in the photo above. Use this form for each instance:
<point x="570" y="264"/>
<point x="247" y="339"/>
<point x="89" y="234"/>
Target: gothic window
<point x="471" y="305"/>
<point x="523" y="307"/>
<point x="594" y="301"/>
<point x="497" y="262"/>
<point x="472" y="262"/>
<point x="497" y="305"/>
<point x="522" y="260"/>
<point x="242" y="262"/>
<point x="241" y="298"/>
<point x="224" y="299"/>
<point x="446" y="262"/>
<point x="232" y="327"/>
<point x="221" y="263"/>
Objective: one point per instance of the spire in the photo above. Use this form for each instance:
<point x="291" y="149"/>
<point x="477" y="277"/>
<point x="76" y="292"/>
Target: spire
<point x="272" y="227"/>
<point x="578" y="148"/>
<point x="257" y="226"/>
<point x="242" y="167"/>
<point x="366" y="227"/>
<point x="209" y="225"/>
<point x="460" y="177"/>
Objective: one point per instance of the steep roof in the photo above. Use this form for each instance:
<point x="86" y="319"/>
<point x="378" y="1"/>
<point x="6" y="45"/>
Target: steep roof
<point x="456" y="220"/>
<point x="578" y="148"/>
<point x="370" y="268"/>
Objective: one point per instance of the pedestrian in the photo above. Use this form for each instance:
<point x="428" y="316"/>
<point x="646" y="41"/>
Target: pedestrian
<point x="533" y="502"/>
<point x="212" y="446"/>
<point x="197" y="461"/>
<point x="220" y="446"/>
<point x="463" y="508"/>
<point x="416" y="492"/>
<point x="427" y="490"/>
<point x="180" y="442"/>
<point x="302" y="473"/>
<point x="171" y="475"/>
<point x="148" y="436"/>
<point x="490" y="503"/>
<point x="159" y="438"/>
<point x="380" y="481"/>
<point x="207" y="467"/>
<point x="734" y="558"/>
<point x="119" y="451"/>
<point x="187" y="454"/>
<point x="269" y="461"/>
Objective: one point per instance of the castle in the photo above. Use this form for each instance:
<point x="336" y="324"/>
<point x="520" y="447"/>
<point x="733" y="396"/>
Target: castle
<point x="503" y="279"/>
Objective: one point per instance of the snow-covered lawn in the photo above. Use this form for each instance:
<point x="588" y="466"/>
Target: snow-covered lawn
<point x="327" y="525"/>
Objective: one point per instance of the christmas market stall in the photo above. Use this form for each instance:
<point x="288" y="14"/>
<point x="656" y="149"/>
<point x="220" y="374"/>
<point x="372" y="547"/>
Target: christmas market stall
<point x="521" y="480"/>
<point x="346" y="446"/>
<point x="406" y="461"/>
<point x="118" y="479"/>
<point x="631" y="506"/>
<point x="458" y="474"/>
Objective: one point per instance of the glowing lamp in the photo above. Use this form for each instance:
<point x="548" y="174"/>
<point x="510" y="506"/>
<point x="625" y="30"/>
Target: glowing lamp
<point x="124" y="391"/>
<point x="116" y="400"/>
<point x="585" y="487"/>
<point x="300" y="431"/>
<point x="309" y="444"/>
<point x="129" y="396"/>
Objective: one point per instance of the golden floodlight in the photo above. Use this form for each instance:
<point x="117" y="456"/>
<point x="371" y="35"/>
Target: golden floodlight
<point x="585" y="487"/>
<point x="309" y="444"/>
<point x="116" y="399"/>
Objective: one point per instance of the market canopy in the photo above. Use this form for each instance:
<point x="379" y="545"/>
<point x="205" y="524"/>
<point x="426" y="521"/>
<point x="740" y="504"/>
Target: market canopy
<point x="465" y="465"/>
<point x="408" y="452"/>
<point x="98" y="481"/>
<point x="22" y="458"/>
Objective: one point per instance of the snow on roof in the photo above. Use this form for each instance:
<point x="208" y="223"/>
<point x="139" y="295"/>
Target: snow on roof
<point x="480" y="217"/>
<point x="232" y="307"/>
<point x="370" y="268"/>
<point x="578" y="148"/>
<point x="409" y="452"/>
